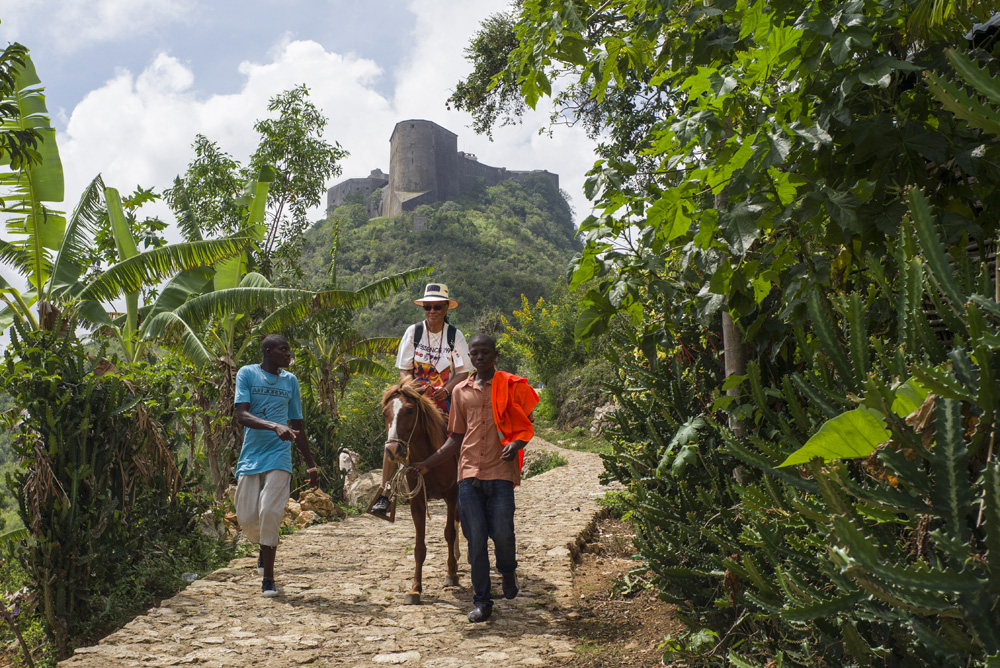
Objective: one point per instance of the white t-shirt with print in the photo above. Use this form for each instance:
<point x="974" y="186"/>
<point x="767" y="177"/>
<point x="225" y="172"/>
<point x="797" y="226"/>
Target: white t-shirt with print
<point x="433" y="359"/>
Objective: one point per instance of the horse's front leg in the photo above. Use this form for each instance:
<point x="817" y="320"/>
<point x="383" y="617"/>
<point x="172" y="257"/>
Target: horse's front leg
<point x="418" y="511"/>
<point x="451" y="537"/>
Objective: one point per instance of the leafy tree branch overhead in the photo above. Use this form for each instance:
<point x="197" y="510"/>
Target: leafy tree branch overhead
<point x="809" y="118"/>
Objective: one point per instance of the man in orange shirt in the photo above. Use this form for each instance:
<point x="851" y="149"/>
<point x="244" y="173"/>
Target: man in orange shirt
<point x="488" y="469"/>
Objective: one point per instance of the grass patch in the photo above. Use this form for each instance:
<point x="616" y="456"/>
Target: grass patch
<point x="619" y="504"/>
<point x="543" y="461"/>
<point x="577" y="438"/>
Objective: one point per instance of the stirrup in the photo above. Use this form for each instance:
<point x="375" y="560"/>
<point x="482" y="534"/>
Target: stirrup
<point x="389" y="516"/>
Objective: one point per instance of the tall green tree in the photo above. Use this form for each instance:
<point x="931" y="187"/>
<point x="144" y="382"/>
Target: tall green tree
<point x="766" y="146"/>
<point x="208" y="198"/>
<point x="293" y="144"/>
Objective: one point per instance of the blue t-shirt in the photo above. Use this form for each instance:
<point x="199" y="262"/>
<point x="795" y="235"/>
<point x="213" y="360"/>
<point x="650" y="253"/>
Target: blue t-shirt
<point x="272" y="398"/>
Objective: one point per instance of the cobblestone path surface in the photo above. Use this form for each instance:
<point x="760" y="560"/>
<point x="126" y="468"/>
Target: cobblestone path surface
<point x="341" y="591"/>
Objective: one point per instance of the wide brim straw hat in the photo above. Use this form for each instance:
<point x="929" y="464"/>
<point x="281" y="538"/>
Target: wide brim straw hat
<point x="436" y="292"/>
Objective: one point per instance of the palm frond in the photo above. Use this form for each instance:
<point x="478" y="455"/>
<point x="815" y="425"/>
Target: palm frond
<point x="186" y="220"/>
<point x="78" y="238"/>
<point x="15" y="256"/>
<point x="254" y="280"/>
<point x="328" y="299"/>
<point x="294" y="312"/>
<point x="384" y="345"/>
<point x="367" y="367"/>
<point x="184" y="286"/>
<point x="930" y="14"/>
<point x="173" y="333"/>
<point x="14" y="535"/>
<point x="158" y="264"/>
<point x="200" y="310"/>
<point x="33" y="183"/>
<point x="94" y="315"/>
<point x="379" y="290"/>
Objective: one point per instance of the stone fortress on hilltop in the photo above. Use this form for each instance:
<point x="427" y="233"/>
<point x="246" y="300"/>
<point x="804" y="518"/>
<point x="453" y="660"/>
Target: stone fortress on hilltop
<point x="425" y="166"/>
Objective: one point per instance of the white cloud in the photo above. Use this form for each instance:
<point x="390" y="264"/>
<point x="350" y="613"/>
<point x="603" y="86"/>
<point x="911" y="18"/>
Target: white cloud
<point x="71" y="24"/>
<point x="138" y="130"/>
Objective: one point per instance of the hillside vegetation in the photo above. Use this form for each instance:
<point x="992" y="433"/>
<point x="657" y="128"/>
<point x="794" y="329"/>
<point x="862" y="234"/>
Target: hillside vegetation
<point x="490" y="248"/>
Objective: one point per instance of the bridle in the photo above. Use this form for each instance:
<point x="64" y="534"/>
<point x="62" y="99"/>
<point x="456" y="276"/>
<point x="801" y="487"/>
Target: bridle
<point x="406" y="443"/>
<point x="399" y="485"/>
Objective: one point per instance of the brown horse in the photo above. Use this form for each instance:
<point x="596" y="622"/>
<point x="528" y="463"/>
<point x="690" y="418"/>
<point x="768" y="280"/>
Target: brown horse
<point x="415" y="429"/>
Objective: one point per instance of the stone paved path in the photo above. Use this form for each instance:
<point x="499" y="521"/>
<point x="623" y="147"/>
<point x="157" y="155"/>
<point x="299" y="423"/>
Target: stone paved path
<point x="342" y="587"/>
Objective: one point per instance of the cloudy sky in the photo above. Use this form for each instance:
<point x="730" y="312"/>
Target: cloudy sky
<point x="130" y="83"/>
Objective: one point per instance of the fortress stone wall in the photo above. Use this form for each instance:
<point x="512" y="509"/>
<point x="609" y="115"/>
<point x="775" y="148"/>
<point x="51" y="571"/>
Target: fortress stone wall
<point x="425" y="166"/>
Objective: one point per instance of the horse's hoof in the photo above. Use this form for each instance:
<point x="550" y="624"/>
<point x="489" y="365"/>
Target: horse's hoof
<point x="411" y="599"/>
<point x="451" y="581"/>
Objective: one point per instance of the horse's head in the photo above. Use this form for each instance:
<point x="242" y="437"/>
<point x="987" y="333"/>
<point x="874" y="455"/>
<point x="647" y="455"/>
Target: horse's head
<point x="409" y="417"/>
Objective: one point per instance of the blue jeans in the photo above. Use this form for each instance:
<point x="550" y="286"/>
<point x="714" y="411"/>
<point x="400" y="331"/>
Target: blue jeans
<point x="486" y="510"/>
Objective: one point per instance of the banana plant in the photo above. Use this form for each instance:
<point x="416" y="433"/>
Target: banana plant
<point x="331" y="363"/>
<point x="66" y="287"/>
<point x="50" y="251"/>
<point x="28" y="188"/>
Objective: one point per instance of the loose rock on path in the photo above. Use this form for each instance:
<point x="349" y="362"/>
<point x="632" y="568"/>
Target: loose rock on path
<point x="342" y="587"/>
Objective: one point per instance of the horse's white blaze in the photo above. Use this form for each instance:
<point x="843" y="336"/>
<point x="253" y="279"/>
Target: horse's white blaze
<point x="397" y="406"/>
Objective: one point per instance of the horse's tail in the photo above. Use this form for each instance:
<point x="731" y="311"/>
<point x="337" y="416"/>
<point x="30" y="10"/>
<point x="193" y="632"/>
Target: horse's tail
<point x="458" y="538"/>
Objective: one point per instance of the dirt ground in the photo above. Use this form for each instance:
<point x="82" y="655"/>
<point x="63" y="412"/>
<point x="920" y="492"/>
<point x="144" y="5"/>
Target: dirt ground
<point x="617" y="625"/>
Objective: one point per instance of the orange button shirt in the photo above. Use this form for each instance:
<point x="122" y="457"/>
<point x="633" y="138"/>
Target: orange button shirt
<point x="472" y="415"/>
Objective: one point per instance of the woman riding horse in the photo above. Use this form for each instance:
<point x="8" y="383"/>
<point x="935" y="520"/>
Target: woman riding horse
<point x="434" y="354"/>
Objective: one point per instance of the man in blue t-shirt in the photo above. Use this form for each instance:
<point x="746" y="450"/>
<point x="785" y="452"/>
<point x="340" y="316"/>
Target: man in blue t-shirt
<point x="269" y="406"/>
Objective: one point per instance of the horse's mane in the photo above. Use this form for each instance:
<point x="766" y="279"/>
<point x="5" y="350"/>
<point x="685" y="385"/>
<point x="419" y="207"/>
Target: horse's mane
<point x="426" y="407"/>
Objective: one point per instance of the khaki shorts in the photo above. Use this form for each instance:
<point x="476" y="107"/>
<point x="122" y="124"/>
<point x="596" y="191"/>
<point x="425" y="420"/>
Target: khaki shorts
<point x="260" y="505"/>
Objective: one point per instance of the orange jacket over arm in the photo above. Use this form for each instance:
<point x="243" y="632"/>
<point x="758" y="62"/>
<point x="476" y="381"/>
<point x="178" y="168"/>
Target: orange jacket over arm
<point x="513" y="399"/>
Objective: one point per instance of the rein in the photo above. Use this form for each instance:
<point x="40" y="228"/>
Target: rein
<point x="399" y="486"/>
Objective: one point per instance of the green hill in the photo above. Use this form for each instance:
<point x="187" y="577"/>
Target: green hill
<point x="490" y="248"/>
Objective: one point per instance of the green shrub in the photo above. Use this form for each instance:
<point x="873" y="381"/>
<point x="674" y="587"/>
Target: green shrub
<point x="619" y="504"/>
<point x="110" y="515"/>
<point x="883" y="557"/>
<point x="546" y="411"/>
<point x="543" y="461"/>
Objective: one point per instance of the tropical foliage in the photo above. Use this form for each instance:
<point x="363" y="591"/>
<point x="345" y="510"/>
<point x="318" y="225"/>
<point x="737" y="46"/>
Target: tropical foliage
<point x="298" y="162"/>
<point x="538" y="342"/>
<point x="789" y="258"/>
<point x="111" y="440"/>
<point x="82" y="474"/>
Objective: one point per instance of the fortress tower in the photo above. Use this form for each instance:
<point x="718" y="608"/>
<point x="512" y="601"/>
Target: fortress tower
<point x="422" y="161"/>
<point x="425" y="166"/>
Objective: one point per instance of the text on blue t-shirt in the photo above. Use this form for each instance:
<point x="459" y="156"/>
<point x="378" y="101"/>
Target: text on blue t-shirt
<point x="272" y="398"/>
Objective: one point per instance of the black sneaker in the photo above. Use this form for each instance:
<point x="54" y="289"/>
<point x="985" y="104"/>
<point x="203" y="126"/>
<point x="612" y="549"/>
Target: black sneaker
<point x="480" y="613"/>
<point x="260" y="564"/>
<point x="268" y="588"/>
<point x="510" y="587"/>
<point x="381" y="506"/>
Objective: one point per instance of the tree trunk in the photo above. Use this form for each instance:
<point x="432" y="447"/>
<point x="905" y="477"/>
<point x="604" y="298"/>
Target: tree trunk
<point x="736" y="364"/>
<point x="732" y="344"/>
